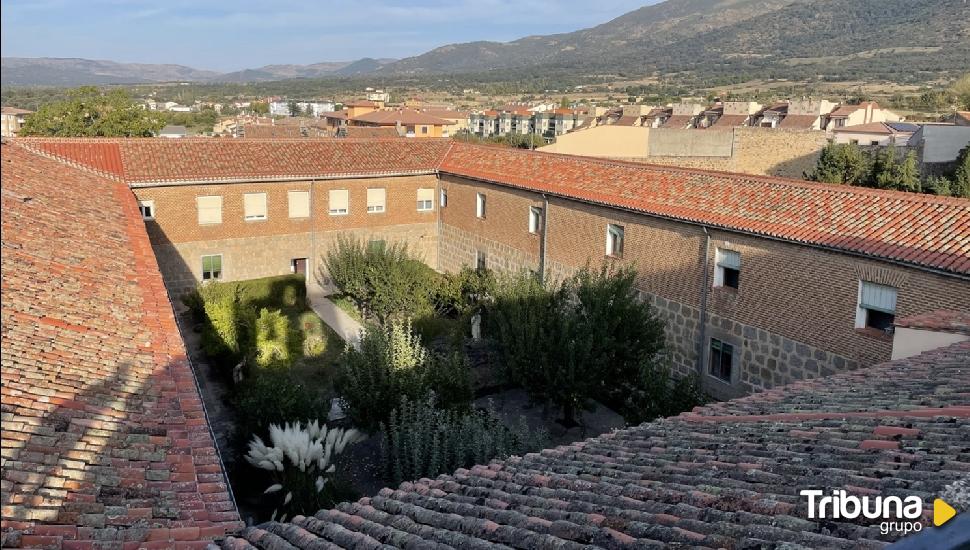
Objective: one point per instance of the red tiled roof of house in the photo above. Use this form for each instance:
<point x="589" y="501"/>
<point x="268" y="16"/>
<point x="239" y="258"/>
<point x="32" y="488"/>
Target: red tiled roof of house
<point x="402" y="116"/>
<point x="917" y="229"/>
<point x="914" y="228"/>
<point x="963" y="117"/>
<point x="371" y="132"/>
<point x="626" y="120"/>
<point x="677" y="121"/>
<point x="867" y="128"/>
<point x="728" y="122"/>
<point x="726" y="475"/>
<point x="147" y="161"/>
<point x="105" y="439"/>
<point x="267" y="131"/>
<point x="798" y="122"/>
<point x="941" y="321"/>
<point x="843" y="111"/>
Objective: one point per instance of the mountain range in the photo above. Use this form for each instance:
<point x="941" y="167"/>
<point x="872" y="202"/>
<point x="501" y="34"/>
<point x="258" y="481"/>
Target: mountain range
<point x="901" y="40"/>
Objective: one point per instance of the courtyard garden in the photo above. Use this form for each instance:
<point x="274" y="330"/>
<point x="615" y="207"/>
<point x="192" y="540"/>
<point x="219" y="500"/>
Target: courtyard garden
<point x="413" y="399"/>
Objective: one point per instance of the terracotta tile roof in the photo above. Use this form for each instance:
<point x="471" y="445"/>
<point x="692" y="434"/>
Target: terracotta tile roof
<point x="913" y="228"/>
<point x="868" y="128"/>
<point x="798" y="122"/>
<point x="963" y="117"/>
<point x="268" y="131"/>
<point x="104" y="435"/>
<point x="728" y="122"/>
<point x="723" y="476"/>
<point x="371" y="132"/>
<point x="402" y="116"/>
<point x="148" y="161"/>
<point x="845" y="110"/>
<point x="940" y="321"/>
<point x="677" y="121"/>
<point x="626" y="120"/>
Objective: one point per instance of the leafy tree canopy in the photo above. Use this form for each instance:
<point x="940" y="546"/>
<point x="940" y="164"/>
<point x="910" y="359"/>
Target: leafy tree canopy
<point x="89" y="112"/>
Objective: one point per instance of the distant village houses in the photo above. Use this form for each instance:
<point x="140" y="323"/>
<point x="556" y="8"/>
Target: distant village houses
<point x="11" y="120"/>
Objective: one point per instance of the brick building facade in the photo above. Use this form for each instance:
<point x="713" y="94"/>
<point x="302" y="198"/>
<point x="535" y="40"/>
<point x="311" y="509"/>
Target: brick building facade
<point x="761" y="281"/>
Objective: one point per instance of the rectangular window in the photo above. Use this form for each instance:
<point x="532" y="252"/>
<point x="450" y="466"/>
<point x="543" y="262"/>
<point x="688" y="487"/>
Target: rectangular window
<point x="376" y="200"/>
<point x="877" y="306"/>
<point x="728" y="268"/>
<point x="339" y="202"/>
<point x="720" y="360"/>
<point x="535" y="219"/>
<point x="614" y="240"/>
<point x="212" y="267"/>
<point x="480" y="205"/>
<point x="254" y="206"/>
<point x="210" y="209"/>
<point x="444" y="198"/>
<point x="425" y="200"/>
<point x="424" y="129"/>
<point x="147" y="209"/>
<point x="299" y="204"/>
<point x="481" y="260"/>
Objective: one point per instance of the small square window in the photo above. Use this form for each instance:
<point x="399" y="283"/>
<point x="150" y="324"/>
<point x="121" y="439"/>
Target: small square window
<point x="147" y="209"/>
<point x="481" y="260"/>
<point x="425" y="200"/>
<point x="339" y="202"/>
<point x="728" y="268"/>
<point x="212" y="267"/>
<point x="877" y="306"/>
<point x="614" y="240"/>
<point x="720" y="360"/>
<point x="254" y="206"/>
<point x="480" y="205"/>
<point x="376" y="200"/>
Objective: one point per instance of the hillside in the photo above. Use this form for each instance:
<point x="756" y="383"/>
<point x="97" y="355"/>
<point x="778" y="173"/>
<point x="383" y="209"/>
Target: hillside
<point x="788" y="38"/>
<point x="56" y="71"/>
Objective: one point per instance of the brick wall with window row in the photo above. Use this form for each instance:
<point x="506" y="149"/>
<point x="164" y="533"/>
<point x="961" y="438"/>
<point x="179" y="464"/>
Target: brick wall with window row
<point x="186" y="213"/>
<point x="796" y="296"/>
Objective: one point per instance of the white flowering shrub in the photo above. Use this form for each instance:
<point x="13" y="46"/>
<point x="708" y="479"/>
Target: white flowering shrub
<point x="301" y="461"/>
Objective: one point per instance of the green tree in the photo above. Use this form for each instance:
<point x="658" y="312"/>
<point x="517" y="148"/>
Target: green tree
<point x="89" y="112"/>
<point x="294" y="108"/>
<point x="841" y="163"/>
<point x="961" y="176"/>
<point x="259" y="107"/>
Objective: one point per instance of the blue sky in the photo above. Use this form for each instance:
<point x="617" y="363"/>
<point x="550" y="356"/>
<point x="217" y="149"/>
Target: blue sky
<point x="228" y="35"/>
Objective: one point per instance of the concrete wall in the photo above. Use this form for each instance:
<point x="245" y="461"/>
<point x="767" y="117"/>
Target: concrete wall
<point x="760" y="151"/>
<point x="908" y="342"/>
<point x="671" y="142"/>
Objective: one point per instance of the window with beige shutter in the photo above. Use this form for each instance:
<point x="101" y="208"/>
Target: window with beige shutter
<point x="299" y="202"/>
<point x="254" y="206"/>
<point x="425" y="200"/>
<point x="210" y="209"/>
<point x="339" y="203"/>
<point x="376" y="200"/>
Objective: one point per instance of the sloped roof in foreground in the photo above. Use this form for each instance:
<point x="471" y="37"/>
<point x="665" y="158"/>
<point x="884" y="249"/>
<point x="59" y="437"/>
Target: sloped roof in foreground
<point x="722" y="476"/>
<point x="917" y="229"/>
<point x="104" y="435"/>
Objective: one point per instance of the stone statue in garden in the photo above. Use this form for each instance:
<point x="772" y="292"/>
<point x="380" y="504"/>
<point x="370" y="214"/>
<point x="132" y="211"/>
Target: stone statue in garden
<point x="477" y="327"/>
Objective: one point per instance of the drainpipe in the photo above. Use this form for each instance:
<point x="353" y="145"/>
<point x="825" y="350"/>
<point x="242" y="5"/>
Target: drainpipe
<point x="704" y="291"/>
<point x="542" y="239"/>
<point x="312" y="260"/>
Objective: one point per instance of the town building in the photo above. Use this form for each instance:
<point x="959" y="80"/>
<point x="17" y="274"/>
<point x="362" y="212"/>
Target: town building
<point x="360" y="107"/>
<point x="410" y="123"/>
<point x="739" y="290"/>
<point x="762" y="282"/>
<point x="938" y="147"/>
<point x="807" y="114"/>
<point x="11" y="119"/>
<point x="459" y="119"/>
<point x="173" y="131"/>
<point x="316" y="108"/>
<point x="881" y="134"/>
<point x="855" y="115"/>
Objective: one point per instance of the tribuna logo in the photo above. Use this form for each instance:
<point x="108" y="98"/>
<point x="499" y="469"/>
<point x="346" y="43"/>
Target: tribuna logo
<point x="898" y="514"/>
